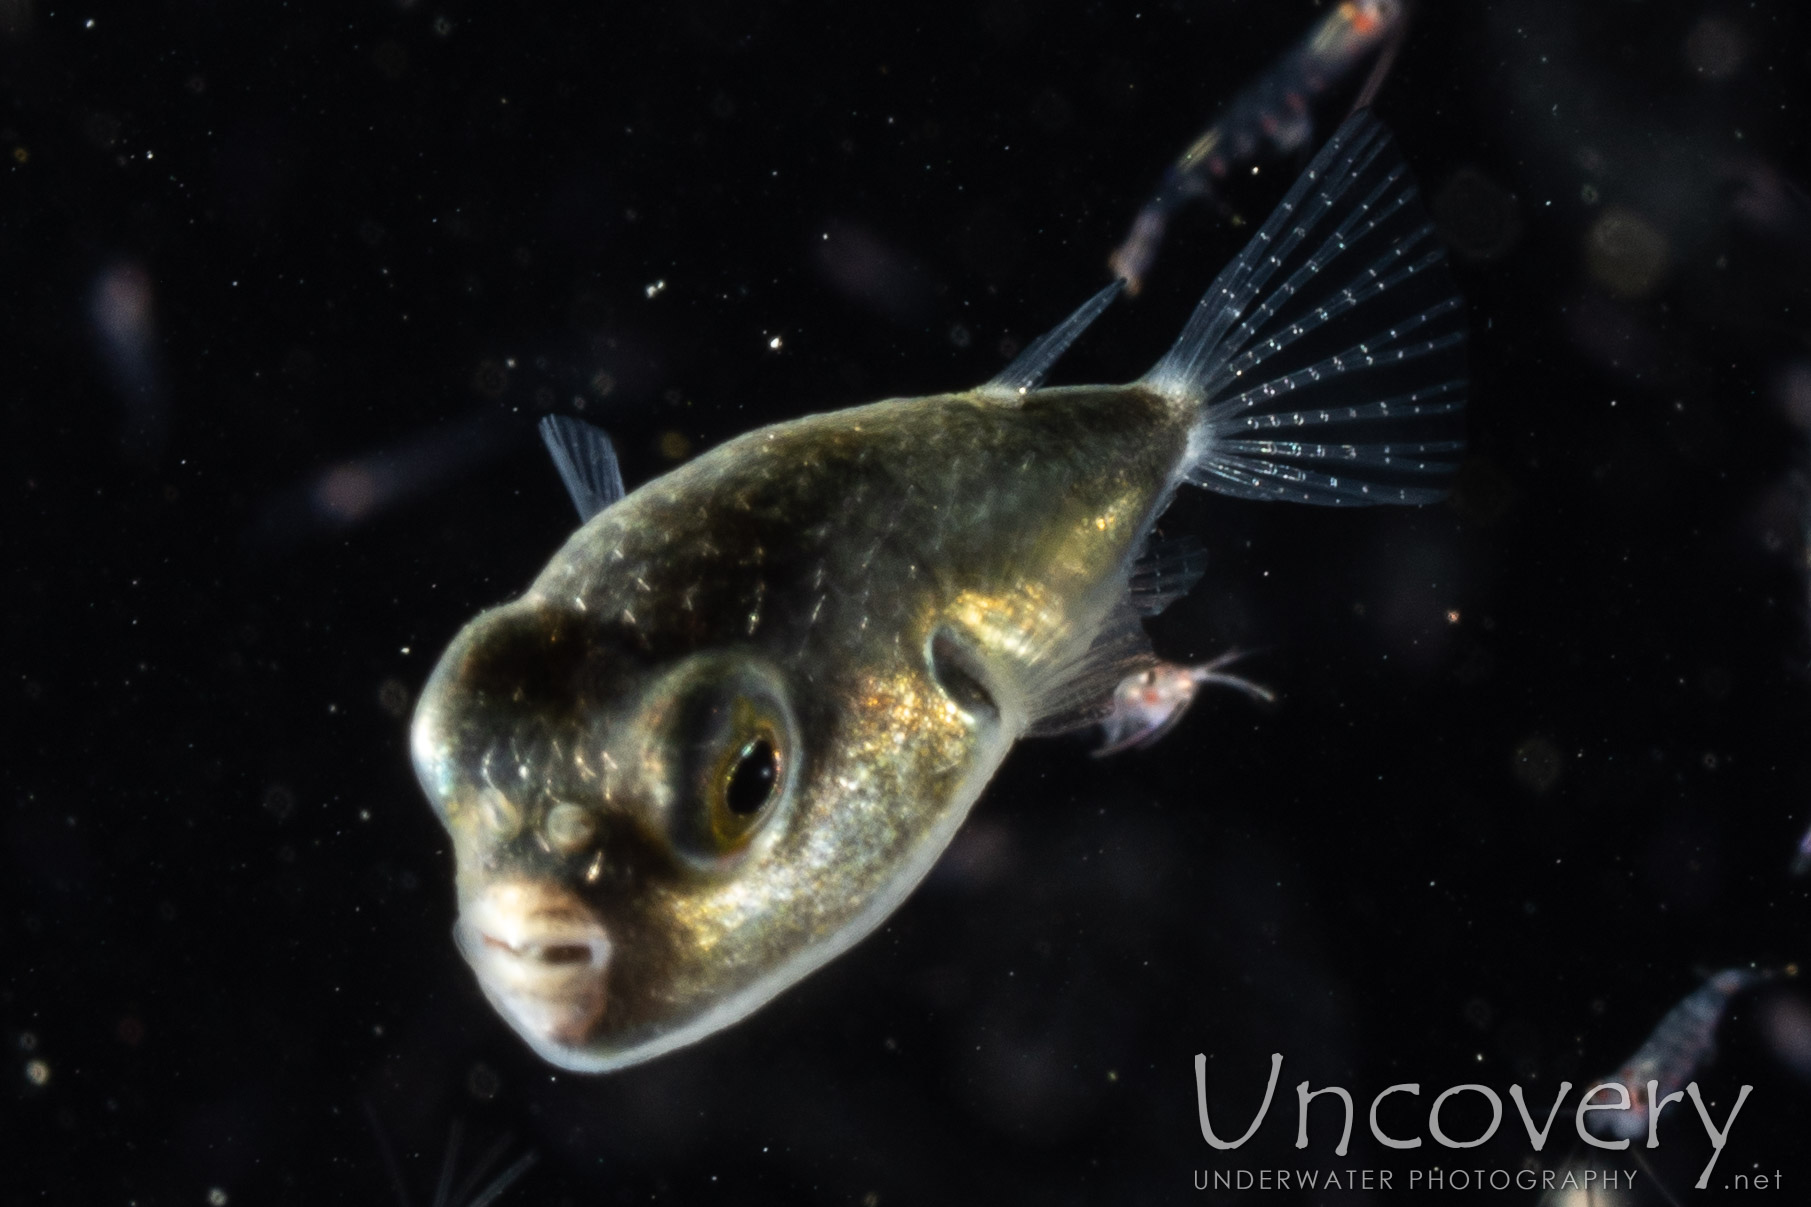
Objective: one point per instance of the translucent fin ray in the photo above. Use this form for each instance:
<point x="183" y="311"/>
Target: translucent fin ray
<point x="1079" y="693"/>
<point x="1373" y="353"/>
<point x="1262" y="478"/>
<point x="1029" y="368"/>
<point x="1351" y="150"/>
<point x="1168" y="571"/>
<point x="1444" y="399"/>
<point x="1327" y="360"/>
<point x="1368" y="285"/>
<point x="1405" y="457"/>
<point x="1329" y="248"/>
<point x="586" y="461"/>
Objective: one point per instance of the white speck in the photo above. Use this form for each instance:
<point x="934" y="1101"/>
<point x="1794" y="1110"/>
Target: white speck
<point x="774" y="343"/>
<point x="657" y="287"/>
<point x="88" y="24"/>
<point x="405" y="649"/>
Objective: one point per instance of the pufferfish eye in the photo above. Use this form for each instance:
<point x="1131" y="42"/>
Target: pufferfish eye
<point x="751" y="782"/>
<point x="737" y="752"/>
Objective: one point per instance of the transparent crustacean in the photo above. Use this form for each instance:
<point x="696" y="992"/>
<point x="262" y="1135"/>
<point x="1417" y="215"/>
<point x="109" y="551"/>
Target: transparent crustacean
<point x="1149" y="703"/>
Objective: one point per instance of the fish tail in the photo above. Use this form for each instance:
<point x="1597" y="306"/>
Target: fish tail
<point x="1326" y="363"/>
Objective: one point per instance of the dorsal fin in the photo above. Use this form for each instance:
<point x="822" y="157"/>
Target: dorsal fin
<point x="586" y="461"/>
<point x="1029" y="368"/>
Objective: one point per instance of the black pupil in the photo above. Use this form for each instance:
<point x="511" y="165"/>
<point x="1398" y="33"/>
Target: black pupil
<point x="751" y="783"/>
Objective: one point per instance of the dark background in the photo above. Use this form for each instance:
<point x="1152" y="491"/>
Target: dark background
<point x="1539" y="764"/>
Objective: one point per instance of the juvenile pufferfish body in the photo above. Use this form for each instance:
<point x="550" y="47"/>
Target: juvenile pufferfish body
<point x="741" y="712"/>
<point x="841" y="561"/>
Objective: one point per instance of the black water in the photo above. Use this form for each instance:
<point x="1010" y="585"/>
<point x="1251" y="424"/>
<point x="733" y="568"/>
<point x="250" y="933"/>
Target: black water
<point x="286" y="287"/>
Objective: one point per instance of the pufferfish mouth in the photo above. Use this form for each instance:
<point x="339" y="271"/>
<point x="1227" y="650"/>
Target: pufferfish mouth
<point x="541" y="956"/>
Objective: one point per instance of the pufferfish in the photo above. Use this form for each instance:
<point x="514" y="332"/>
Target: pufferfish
<point x="743" y="710"/>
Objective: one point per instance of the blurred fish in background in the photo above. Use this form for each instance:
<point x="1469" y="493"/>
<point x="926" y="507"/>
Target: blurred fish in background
<point x="121" y="317"/>
<point x="15" y="18"/>
<point x="1271" y="118"/>
<point x="1663" y="1068"/>
<point x="358" y="488"/>
<point x="866" y="269"/>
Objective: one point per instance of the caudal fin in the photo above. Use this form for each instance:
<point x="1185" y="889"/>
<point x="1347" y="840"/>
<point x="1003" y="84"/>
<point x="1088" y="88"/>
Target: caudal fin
<point x="1327" y="359"/>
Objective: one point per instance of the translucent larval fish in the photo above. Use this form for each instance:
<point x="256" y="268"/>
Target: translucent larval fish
<point x="1270" y="115"/>
<point x="744" y="708"/>
<point x="1660" y="1070"/>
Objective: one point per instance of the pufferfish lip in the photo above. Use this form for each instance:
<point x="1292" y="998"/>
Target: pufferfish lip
<point x="542" y="957"/>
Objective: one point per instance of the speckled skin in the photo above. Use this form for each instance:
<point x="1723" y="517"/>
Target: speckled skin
<point x="813" y="559"/>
